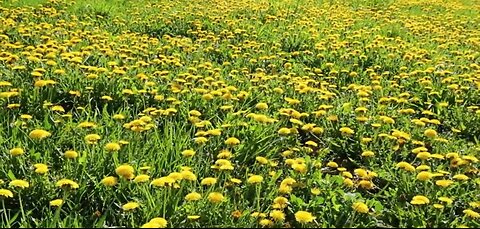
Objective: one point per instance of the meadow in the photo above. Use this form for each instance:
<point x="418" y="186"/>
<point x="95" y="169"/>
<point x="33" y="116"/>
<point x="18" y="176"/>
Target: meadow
<point x="239" y="113"/>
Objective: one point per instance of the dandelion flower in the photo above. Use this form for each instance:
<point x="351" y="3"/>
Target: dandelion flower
<point x="125" y="171"/>
<point x="150" y="225"/>
<point x="5" y="193"/>
<point x="424" y="176"/>
<point x="348" y="182"/>
<point x="360" y="207"/>
<point x="472" y="214"/>
<point x="368" y="154"/>
<point x="265" y="222"/>
<point x="332" y="164"/>
<point x="261" y="160"/>
<point x="284" y="131"/>
<point x="188" y="175"/>
<point x="141" y="178"/>
<point x="277" y="215"/>
<point x="130" y="206"/>
<point x="109" y="181"/>
<point x="188" y="153"/>
<point x="420" y="200"/>
<point x="19" y="184"/>
<point x="255" y="179"/>
<point x="347" y="131"/>
<point x="215" y="197"/>
<point x="201" y="140"/>
<point x="232" y="141"/>
<point x="56" y="203"/>
<point x="446" y="200"/>
<point x="39" y="134"/>
<point x="161" y="222"/>
<point x="209" y="181"/>
<point x="461" y="177"/>
<point x="67" y="183"/>
<point x="304" y="217"/>
<point x="92" y="138"/>
<point x="118" y="117"/>
<point x="406" y="166"/>
<point x="41" y="168"/>
<point x="70" y="154"/>
<point x="112" y="147"/>
<point x="444" y="183"/>
<point x="16" y="152"/>
<point x="193" y="196"/>
<point x="430" y="133"/>
<point x="193" y="217"/>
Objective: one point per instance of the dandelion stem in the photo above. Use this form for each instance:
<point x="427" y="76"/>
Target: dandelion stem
<point x="5" y="213"/>
<point x="164" y="202"/>
<point x="258" y="196"/>
<point x="21" y="208"/>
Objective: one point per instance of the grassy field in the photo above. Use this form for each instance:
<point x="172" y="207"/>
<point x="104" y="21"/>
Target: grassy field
<point x="239" y="113"/>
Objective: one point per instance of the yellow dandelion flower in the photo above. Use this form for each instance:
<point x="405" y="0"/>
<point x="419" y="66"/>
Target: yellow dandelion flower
<point x="67" y="183"/>
<point x="406" y="166"/>
<point x="109" y="181"/>
<point x="255" y="179"/>
<point x="106" y="97"/>
<point x="92" y="138"/>
<point x="56" y="203"/>
<point x="315" y="191"/>
<point x="284" y="131"/>
<point x="19" y="184"/>
<point x="112" y="147"/>
<point x="430" y="133"/>
<point x="265" y="222"/>
<point x="347" y="131"/>
<point x="188" y="175"/>
<point x="193" y="217"/>
<point x="236" y="181"/>
<point x="368" y="154"/>
<point x="215" y="197"/>
<point x="332" y="164"/>
<point x="261" y="106"/>
<point x="141" y="178"/>
<point x="444" y="183"/>
<point x="446" y="200"/>
<point x="16" y="152"/>
<point x="201" y="140"/>
<point x="261" y="160"/>
<point x="41" y="168"/>
<point x="188" y="153"/>
<point x="130" y="206"/>
<point x="360" y="207"/>
<point x="161" y="222"/>
<point x="461" y="177"/>
<point x="277" y="215"/>
<point x="70" y="154"/>
<point x="125" y="171"/>
<point x="304" y="217"/>
<point x="232" y="141"/>
<point x="209" y="181"/>
<point x="39" y="134"/>
<point x="193" y="196"/>
<point x="424" y="176"/>
<point x="150" y="225"/>
<point x="5" y="193"/>
<point x="366" y="184"/>
<point x="472" y="214"/>
<point x="118" y="117"/>
<point x="420" y="200"/>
